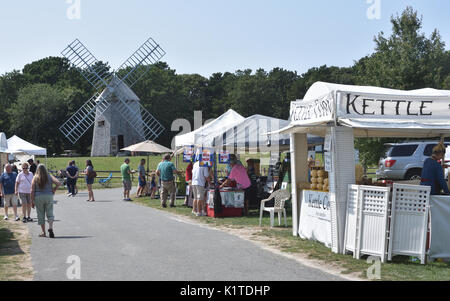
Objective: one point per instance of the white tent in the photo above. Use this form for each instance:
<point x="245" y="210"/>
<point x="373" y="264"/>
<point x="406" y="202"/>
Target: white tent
<point x="372" y="111"/>
<point x="342" y="112"/>
<point x="250" y="133"/>
<point x="17" y="144"/>
<point x="222" y="123"/>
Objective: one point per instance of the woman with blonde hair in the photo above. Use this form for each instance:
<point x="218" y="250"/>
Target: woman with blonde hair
<point x="42" y="192"/>
<point x="23" y="191"/>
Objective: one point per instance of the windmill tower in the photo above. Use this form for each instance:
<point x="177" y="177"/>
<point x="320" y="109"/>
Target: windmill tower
<point x="119" y="118"/>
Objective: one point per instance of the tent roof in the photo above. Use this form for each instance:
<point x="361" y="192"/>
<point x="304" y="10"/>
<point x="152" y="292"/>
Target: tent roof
<point x="222" y="123"/>
<point x="148" y="147"/>
<point x="19" y="145"/>
<point x="319" y="89"/>
<point x="248" y="133"/>
<point x="372" y="111"/>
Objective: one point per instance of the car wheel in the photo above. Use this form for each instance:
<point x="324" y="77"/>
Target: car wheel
<point x="413" y="175"/>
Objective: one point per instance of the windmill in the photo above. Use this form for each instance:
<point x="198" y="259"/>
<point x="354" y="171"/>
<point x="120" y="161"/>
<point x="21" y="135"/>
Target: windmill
<point x="116" y="111"/>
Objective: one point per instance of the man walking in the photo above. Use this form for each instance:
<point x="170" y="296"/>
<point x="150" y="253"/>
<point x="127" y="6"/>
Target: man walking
<point x="126" y="179"/>
<point x="165" y="172"/>
<point x="8" y="190"/>
<point x="200" y="175"/>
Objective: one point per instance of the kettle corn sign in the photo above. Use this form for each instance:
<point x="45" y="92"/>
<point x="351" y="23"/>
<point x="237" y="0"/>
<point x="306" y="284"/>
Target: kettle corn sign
<point x="396" y="107"/>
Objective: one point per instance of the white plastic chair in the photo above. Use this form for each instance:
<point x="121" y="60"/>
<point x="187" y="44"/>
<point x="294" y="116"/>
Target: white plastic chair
<point x="281" y="196"/>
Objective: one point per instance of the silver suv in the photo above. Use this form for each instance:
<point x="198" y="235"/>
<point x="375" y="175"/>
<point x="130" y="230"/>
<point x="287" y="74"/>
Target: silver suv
<point x="404" y="161"/>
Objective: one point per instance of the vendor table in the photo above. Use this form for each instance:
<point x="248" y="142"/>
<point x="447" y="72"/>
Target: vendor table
<point x="315" y="216"/>
<point x="440" y="227"/>
<point x="232" y="203"/>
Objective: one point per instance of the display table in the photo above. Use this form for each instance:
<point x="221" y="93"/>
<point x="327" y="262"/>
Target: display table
<point x="440" y="227"/>
<point x="232" y="203"/>
<point x="315" y="216"/>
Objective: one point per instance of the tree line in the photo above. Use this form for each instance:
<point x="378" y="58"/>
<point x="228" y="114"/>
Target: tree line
<point x="37" y="100"/>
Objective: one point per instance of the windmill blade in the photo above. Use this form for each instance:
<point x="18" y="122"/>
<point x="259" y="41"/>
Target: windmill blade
<point x="90" y="68"/>
<point x="141" y="61"/>
<point x="147" y="126"/>
<point x="82" y="120"/>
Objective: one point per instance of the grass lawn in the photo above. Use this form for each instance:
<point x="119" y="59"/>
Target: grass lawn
<point x="15" y="260"/>
<point x="281" y="238"/>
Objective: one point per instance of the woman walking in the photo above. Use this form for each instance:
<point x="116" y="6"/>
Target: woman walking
<point x="23" y="191"/>
<point x="42" y="192"/>
<point x="90" y="176"/>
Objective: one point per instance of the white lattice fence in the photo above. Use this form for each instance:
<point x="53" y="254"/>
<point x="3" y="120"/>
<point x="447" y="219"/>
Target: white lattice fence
<point x="373" y="214"/>
<point x="409" y="221"/>
<point x="351" y="219"/>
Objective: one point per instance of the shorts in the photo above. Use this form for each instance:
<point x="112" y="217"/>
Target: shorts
<point x="199" y="192"/>
<point x="10" y="200"/>
<point x="25" y="198"/>
<point x="89" y="181"/>
<point x="126" y="185"/>
<point x="142" y="183"/>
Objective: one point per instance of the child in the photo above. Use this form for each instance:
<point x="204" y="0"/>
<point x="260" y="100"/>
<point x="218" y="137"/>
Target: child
<point x="153" y="187"/>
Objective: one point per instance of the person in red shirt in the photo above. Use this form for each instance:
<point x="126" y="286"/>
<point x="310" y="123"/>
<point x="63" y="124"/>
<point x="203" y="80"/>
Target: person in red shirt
<point x="188" y="183"/>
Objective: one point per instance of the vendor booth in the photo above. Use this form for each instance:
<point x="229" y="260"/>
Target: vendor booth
<point x="342" y="213"/>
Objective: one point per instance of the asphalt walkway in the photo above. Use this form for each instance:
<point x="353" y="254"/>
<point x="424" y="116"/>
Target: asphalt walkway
<point x="117" y="240"/>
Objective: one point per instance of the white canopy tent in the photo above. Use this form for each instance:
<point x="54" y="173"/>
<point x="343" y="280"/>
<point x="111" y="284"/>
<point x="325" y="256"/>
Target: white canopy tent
<point x="250" y="133"/>
<point x="17" y="144"/>
<point x="342" y="112"/>
<point x="224" y="122"/>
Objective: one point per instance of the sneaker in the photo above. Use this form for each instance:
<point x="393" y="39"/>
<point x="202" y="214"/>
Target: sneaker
<point x="69" y="194"/>
<point x="5" y="218"/>
<point x="204" y="214"/>
<point x="24" y="220"/>
<point x="164" y="205"/>
<point x="172" y="206"/>
<point x="198" y="214"/>
<point x="29" y="219"/>
<point x="17" y="219"/>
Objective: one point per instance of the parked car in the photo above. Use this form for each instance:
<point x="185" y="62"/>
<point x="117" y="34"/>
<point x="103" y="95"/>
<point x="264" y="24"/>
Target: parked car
<point x="404" y="161"/>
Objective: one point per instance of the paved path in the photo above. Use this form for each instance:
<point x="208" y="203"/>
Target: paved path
<point x="117" y="240"/>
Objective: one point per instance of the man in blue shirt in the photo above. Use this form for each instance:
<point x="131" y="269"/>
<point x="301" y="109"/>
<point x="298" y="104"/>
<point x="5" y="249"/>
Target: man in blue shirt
<point x="165" y="172"/>
<point x="433" y="173"/>
<point x="7" y="190"/>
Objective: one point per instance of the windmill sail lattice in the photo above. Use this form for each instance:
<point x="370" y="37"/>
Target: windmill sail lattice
<point x="83" y="119"/>
<point x="139" y="63"/>
<point x="98" y="75"/>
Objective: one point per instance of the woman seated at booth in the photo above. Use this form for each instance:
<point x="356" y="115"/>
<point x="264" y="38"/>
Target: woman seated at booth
<point x="433" y="172"/>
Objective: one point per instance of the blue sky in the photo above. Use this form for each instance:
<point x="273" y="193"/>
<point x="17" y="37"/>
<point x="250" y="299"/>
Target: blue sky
<point x="207" y="36"/>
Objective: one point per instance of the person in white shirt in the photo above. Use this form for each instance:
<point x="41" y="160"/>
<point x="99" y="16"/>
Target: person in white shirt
<point x="200" y="176"/>
<point x="23" y="191"/>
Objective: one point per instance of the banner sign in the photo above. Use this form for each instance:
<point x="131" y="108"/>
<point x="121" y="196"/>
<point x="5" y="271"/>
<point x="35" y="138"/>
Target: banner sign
<point x="224" y="157"/>
<point x="315" y="216"/>
<point x="206" y="156"/>
<point x="374" y="106"/>
<point x="314" y="111"/>
<point x="188" y="153"/>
